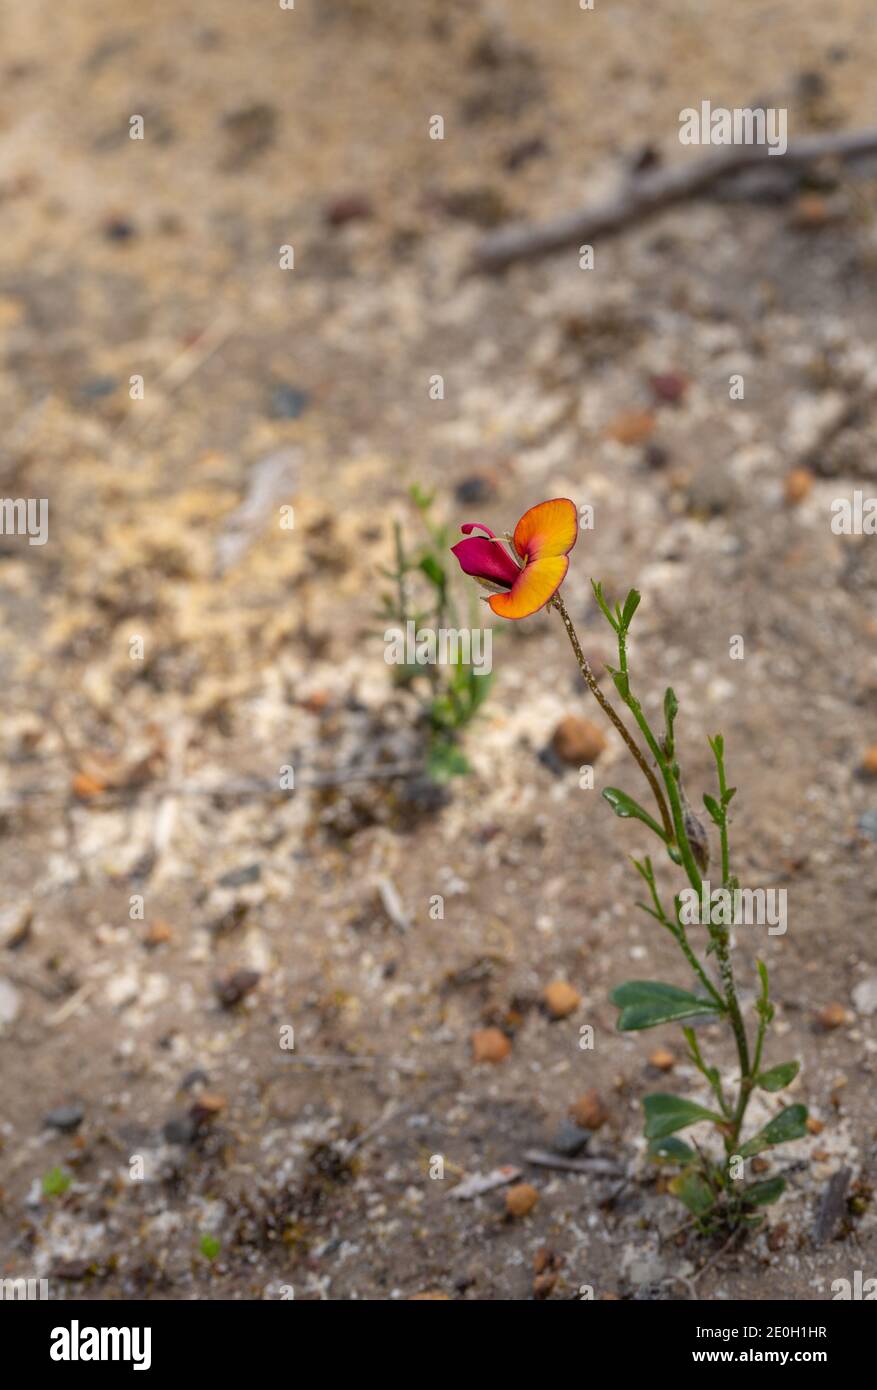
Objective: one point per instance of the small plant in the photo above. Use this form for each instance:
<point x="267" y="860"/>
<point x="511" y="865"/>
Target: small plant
<point x="209" y="1246"/>
<point x="523" y="579"/>
<point x="56" y="1182"/>
<point x="421" y="605"/>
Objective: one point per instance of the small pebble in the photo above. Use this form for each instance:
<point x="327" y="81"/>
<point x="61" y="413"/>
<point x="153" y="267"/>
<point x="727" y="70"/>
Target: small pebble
<point x="633" y="427"/>
<point x="833" y="1015"/>
<point x="797" y="485"/>
<point x="520" y="1199"/>
<point x="65" y="1118"/>
<point x="10" y="1002"/>
<point x="236" y="987"/>
<point x="235" y="878"/>
<point x="577" y="741"/>
<point x="206" y="1108"/>
<point x="348" y="207"/>
<point x="118" y="229"/>
<point x="663" y="1059"/>
<point x="777" y="1237"/>
<point x="570" y="1139"/>
<point x="589" y="1110"/>
<point x="669" y="387"/>
<point x="490" y="1045"/>
<point x="181" y="1129"/>
<point x="158" y="933"/>
<point x="865" y="996"/>
<point x="478" y="487"/>
<point x="561" y="999"/>
<point x="288" y="402"/>
<point x="15" y="925"/>
<point x="869" y="761"/>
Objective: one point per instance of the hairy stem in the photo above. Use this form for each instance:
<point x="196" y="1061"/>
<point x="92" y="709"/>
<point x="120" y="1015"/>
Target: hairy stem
<point x="591" y="681"/>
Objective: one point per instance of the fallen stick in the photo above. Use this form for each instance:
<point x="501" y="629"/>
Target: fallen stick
<point x="541" y="1158"/>
<point x="832" y="1205"/>
<point x="648" y="193"/>
<point x="352" y="1062"/>
<point x="478" y="1183"/>
<point x="242" y="786"/>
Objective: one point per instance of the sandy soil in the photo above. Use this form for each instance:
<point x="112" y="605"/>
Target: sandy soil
<point x="157" y="779"/>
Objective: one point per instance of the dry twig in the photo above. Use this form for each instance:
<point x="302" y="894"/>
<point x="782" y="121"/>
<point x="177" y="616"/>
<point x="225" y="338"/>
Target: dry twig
<point x="648" y="193"/>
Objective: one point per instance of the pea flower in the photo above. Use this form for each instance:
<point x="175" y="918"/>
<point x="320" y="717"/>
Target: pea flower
<point x="522" y="582"/>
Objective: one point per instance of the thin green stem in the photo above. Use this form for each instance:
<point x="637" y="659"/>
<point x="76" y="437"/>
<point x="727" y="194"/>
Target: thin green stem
<point x="591" y="682"/>
<point x="677" y="931"/>
<point x="718" y="934"/>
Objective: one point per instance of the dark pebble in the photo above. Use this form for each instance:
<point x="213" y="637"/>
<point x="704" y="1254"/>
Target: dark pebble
<point x="524" y="151"/>
<point x="198" y="1077"/>
<point x="350" y="207"/>
<point x="180" y="1130"/>
<point x="251" y="873"/>
<point x="548" y="758"/>
<point x="570" y="1139"/>
<point x="117" y="229"/>
<point x="288" y="402"/>
<point x="656" y="457"/>
<point x="66" y="1118"/>
<point x="236" y="987"/>
<point x="474" y="489"/>
<point x="99" y="386"/>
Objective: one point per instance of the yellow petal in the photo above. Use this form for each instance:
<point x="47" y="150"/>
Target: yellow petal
<point x="551" y="528"/>
<point x="532" y="589"/>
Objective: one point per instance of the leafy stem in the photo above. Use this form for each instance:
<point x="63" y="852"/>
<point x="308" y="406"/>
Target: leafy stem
<point x="591" y="682"/>
<point x="647" y="1003"/>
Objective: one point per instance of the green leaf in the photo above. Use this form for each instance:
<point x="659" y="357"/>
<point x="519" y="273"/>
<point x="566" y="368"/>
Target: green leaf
<point x="421" y="499"/>
<point x="778" y="1077"/>
<point x="671" y="1150"/>
<point x="604" y="606"/>
<point x="644" y="869"/>
<point x="621" y="681"/>
<point x="762" y="1194"/>
<point x="209" y="1247"/>
<point x="628" y="809"/>
<point x="671" y="709"/>
<point x="789" y="1124"/>
<point x="714" y="809"/>
<point x="430" y="566"/>
<point x="56" y="1182"/>
<point x="665" y="1114"/>
<point x="445" y="761"/>
<point x="646" y="1003"/>
<point x="693" y="1190"/>
<point x="631" y="604"/>
<point x="763" y="976"/>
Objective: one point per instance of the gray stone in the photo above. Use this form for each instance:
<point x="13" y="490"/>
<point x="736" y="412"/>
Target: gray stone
<point x="570" y="1139"/>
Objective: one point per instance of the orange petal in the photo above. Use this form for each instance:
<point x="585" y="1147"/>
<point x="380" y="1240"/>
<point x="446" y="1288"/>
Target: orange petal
<point x="532" y="589"/>
<point x="551" y="528"/>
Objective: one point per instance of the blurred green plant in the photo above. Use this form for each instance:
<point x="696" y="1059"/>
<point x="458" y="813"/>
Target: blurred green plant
<point x="209" y="1246"/>
<point x="450" y="693"/>
<point x="56" y="1182"/>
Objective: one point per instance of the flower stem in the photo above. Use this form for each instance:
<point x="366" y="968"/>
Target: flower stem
<point x="718" y="934"/>
<point x="591" y="681"/>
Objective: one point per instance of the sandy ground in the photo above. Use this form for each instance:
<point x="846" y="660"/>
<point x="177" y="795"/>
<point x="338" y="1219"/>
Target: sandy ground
<point x="156" y="779"/>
